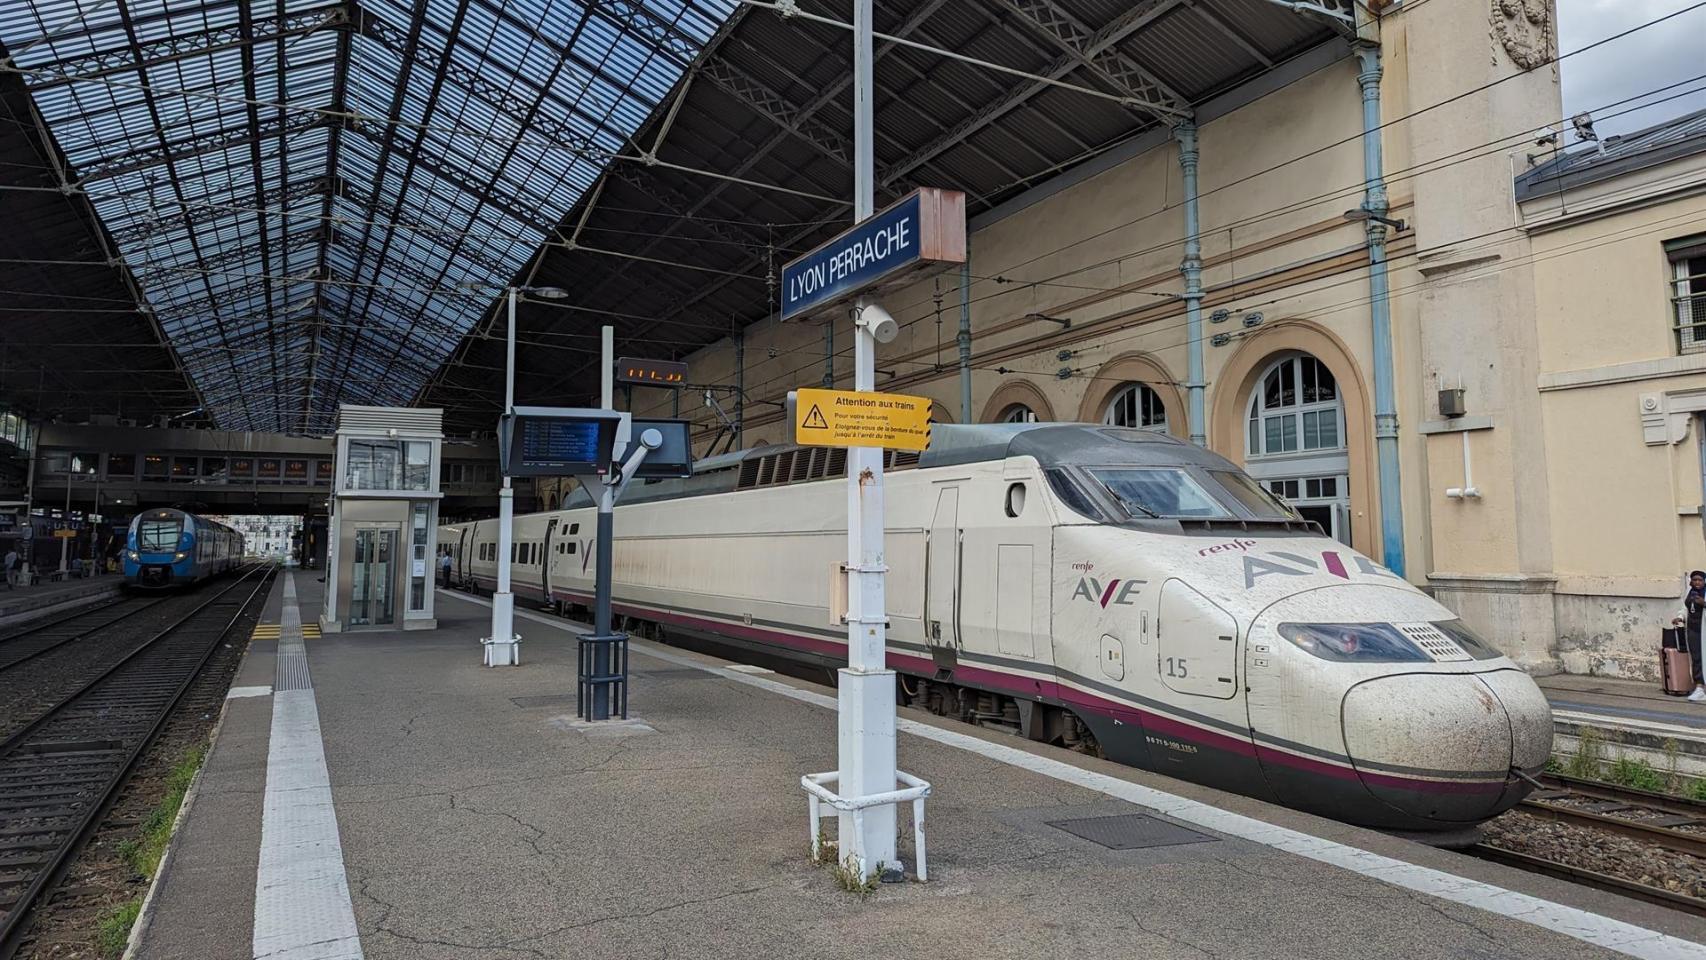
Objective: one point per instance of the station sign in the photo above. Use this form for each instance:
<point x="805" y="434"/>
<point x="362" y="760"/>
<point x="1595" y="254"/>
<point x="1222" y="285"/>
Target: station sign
<point x="851" y="418"/>
<point x="651" y="373"/>
<point x="921" y="233"/>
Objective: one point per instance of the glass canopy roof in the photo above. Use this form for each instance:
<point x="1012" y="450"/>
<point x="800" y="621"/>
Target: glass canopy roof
<point x="319" y="200"/>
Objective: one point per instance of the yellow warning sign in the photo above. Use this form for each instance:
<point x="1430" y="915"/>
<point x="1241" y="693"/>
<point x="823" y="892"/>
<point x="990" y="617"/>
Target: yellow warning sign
<point x="848" y="418"/>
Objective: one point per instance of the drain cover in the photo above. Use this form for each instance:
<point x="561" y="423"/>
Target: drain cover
<point x="1130" y="831"/>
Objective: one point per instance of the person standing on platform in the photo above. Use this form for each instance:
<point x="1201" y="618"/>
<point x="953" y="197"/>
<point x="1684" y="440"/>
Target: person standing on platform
<point x="11" y="566"/>
<point x="444" y="568"/>
<point x="1693" y="605"/>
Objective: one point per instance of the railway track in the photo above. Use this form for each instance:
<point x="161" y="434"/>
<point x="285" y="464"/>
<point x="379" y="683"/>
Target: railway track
<point x="60" y="773"/>
<point x="25" y="645"/>
<point x="1673" y="823"/>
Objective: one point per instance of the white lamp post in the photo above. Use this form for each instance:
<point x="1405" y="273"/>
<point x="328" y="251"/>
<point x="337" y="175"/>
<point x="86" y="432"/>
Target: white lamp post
<point x="501" y="647"/>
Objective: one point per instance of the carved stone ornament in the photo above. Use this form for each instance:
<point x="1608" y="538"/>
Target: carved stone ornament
<point x="1526" y="29"/>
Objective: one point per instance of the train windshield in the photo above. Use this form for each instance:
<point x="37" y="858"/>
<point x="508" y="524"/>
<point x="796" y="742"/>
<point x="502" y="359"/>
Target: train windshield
<point x="157" y="535"/>
<point x="1159" y="492"/>
<point x="1354" y="642"/>
<point x="1250" y="494"/>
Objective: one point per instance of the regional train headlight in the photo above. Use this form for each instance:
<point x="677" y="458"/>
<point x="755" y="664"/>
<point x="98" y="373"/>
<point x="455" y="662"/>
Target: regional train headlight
<point x="134" y="556"/>
<point x="179" y="556"/>
<point x="1354" y="642"/>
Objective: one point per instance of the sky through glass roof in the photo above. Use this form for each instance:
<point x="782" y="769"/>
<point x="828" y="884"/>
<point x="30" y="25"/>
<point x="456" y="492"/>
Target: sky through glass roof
<point x="298" y="245"/>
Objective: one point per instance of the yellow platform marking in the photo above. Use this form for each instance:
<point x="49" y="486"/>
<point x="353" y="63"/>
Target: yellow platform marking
<point x="310" y="631"/>
<point x="265" y="631"/>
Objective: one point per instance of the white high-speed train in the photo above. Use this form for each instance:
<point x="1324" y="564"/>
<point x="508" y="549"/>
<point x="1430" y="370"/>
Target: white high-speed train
<point x="1082" y="584"/>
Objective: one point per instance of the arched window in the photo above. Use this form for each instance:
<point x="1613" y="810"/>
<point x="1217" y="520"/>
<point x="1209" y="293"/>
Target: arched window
<point x="1018" y="413"/>
<point x="1295" y="407"/>
<point x="1135" y="405"/>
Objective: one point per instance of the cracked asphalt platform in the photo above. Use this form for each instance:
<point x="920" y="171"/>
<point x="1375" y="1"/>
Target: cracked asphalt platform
<point x="478" y="821"/>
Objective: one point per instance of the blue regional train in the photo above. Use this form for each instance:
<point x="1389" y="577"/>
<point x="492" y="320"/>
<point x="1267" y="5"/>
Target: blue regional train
<point x="167" y="548"/>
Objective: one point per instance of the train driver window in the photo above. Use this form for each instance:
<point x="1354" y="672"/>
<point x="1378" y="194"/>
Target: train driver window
<point x="1159" y="492"/>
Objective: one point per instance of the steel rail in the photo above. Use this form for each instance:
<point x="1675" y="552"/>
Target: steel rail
<point x="31" y="627"/>
<point x="83" y="777"/>
<point x="1693" y="844"/>
<point x="1590" y="878"/>
<point x="13" y="653"/>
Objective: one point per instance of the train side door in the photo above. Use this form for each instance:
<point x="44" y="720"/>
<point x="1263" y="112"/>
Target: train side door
<point x="942" y="561"/>
<point x="1197" y="653"/>
<point x="547" y="561"/>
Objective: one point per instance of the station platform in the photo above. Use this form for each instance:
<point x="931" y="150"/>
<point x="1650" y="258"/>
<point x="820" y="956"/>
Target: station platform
<point x="53" y="596"/>
<point x="1632" y="718"/>
<point x="382" y="795"/>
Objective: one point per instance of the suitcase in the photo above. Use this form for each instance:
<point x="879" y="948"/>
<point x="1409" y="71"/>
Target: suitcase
<point x="1676" y="669"/>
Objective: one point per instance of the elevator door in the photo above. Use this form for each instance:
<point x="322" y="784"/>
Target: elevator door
<point x="373" y="593"/>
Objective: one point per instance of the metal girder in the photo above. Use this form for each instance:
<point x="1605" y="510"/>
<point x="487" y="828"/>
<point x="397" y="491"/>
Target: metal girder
<point x="1124" y="25"/>
<point x="500" y="96"/>
<point x="194" y="212"/>
<point x="776" y="108"/>
<point x="190" y="147"/>
<point x="182" y="47"/>
<point x="438" y="233"/>
<point x="1341" y="14"/>
<point x="1076" y="37"/>
<point x="231" y="256"/>
<point x="1227" y="30"/>
<point x="745" y="87"/>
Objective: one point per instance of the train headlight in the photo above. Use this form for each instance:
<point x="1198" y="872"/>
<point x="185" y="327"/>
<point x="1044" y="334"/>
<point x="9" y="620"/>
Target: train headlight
<point x="1354" y="642"/>
<point x="134" y="556"/>
<point x="179" y="556"/>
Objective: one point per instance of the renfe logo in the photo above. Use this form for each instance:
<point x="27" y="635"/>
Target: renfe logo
<point x="1261" y="566"/>
<point x="1117" y="592"/>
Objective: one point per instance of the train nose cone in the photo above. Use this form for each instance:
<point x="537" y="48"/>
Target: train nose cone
<point x="1441" y="746"/>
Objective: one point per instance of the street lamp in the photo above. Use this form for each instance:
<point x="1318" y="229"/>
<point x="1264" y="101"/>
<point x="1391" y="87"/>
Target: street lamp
<point x="1362" y="215"/>
<point x="501" y="652"/>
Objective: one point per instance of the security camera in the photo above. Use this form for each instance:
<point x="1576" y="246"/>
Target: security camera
<point x="877" y="320"/>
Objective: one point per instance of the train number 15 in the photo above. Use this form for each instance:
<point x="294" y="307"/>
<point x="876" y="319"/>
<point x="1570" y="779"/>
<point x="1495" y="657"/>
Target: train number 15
<point x="1176" y="667"/>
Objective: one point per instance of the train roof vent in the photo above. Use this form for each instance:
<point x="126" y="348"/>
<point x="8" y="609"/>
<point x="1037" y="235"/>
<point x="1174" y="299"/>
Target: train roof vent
<point x="1433" y="642"/>
<point x="748" y="474"/>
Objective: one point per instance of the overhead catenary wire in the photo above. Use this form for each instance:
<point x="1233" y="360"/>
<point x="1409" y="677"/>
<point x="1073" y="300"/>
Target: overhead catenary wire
<point x="1015" y="283"/>
<point x="1044" y="282"/>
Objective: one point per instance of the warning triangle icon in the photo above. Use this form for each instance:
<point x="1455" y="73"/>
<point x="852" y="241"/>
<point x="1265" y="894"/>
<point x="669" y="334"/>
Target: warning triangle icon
<point x="814" y="420"/>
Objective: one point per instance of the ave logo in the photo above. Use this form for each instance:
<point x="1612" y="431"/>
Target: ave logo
<point x="1280" y="563"/>
<point x="1117" y="592"/>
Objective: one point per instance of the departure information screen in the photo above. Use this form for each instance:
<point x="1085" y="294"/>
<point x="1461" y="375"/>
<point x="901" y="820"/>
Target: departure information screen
<point x="559" y="441"/>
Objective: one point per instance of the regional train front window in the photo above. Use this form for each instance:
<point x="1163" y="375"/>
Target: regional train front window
<point x="157" y="535"/>
<point x="1159" y="492"/>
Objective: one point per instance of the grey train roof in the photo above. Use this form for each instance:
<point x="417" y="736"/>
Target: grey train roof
<point x="1052" y="444"/>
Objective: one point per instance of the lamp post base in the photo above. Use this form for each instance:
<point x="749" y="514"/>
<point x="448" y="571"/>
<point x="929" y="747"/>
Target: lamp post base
<point x="503" y="647"/>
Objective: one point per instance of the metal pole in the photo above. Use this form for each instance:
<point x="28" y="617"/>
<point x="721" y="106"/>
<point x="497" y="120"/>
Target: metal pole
<point x="1191" y="268"/>
<point x="501" y="650"/>
<point x="829" y="354"/>
<point x="599" y="708"/>
<point x="865" y="691"/>
<point x="1380" y="315"/>
<point x="965" y="340"/>
<point x="65" y="521"/>
<point x="740" y="390"/>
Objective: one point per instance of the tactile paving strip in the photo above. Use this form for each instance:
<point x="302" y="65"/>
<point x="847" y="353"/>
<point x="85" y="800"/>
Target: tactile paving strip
<point x="302" y="901"/>
<point x="1130" y="831"/>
